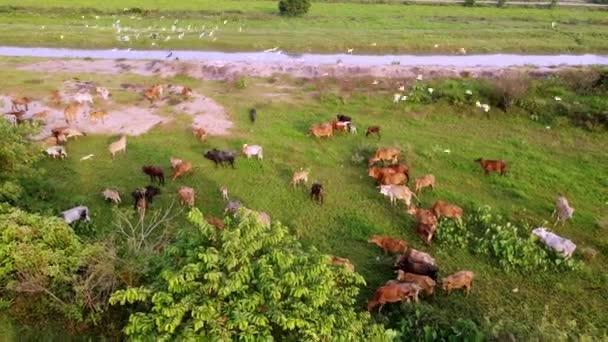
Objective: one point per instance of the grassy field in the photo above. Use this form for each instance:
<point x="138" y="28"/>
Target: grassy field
<point x="329" y="27"/>
<point x="543" y="163"/>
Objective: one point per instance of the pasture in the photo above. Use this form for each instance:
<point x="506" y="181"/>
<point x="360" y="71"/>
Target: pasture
<point x="440" y="137"/>
<point x="329" y="27"/>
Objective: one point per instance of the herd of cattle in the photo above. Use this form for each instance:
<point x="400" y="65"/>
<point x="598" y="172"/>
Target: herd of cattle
<point x="416" y="270"/>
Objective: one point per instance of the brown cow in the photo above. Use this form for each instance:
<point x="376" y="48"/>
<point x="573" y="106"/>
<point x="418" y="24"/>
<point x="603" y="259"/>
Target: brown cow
<point x="339" y="125"/>
<point x="71" y="112"/>
<point x="394" y="179"/>
<point x="462" y="279"/>
<point x="97" y="114"/>
<point x="153" y="93"/>
<point x="379" y="173"/>
<point x="389" y="245"/>
<point x="390" y="154"/>
<point x="23" y="102"/>
<point x="425" y="181"/>
<point x="373" y="130"/>
<point x="216" y="222"/>
<point x="441" y="208"/>
<point x="334" y="260"/>
<point x="180" y="168"/>
<point x="321" y="130"/>
<point x="200" y="133"/>
<point x="186" y="196"/>
<point x="393" y="293"/>
<point x="426" y="283"/>
<point x="493" y="166"/>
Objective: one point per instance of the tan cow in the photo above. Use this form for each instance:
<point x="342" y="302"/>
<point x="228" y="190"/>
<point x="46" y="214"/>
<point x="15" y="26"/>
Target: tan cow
<point x="388" y="244"/>
<point x="441" y="208"/>
<point x="71" y="112"/>
<point x="426" y="283"/>
<point x="321" y="130"/>
<point x="462" y="279"/>
<point x="389" y="154"/>
<point x="186" y="196"/>
<point x="118" y="146"/>
<point x="334" y="260"/>
<point x="425" y="181"/>
<point x="393" y="293"/>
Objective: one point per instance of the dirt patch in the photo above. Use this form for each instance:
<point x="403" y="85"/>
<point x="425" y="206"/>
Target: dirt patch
<point x="206" y="113"/>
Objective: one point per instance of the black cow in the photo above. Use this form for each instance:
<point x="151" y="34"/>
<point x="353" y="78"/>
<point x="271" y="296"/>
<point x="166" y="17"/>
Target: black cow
<point x="344" y="118"/>
<point x="421" y="268"/>
<point x="317" y="193"/>
<point x="253" y="115"/>
<point x="220" y="157"/>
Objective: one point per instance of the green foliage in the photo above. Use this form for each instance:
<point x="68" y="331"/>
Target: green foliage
<point x="469" y="3"/>
<point x="455" y="92"/>
<point x="247" y="282"/>
<point x="511" y="245"/>
<point x="419" y="93"/>
<point x="42" y="255"/>
<point x="294" y="8"/>
<point x="17" y="156"/>
<point x="241" y="83"/>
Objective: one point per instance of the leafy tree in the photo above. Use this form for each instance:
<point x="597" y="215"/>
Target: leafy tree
<point x="294" y="8"/>
<point x="43" y="256"/>
<point x="17" y="157"/>
<point x="247" y="282"/>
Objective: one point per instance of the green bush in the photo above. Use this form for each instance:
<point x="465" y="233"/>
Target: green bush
<point x="294" y="8"/>
<point x="247" y="282"/>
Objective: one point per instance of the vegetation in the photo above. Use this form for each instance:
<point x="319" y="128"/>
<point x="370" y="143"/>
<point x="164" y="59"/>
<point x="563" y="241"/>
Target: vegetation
<point x="441" y="134"/>
<point x="294" y="8"/>
<point x="329" y="27"/>
<point x="17" y="157"/>
<point x="247" y="282"/>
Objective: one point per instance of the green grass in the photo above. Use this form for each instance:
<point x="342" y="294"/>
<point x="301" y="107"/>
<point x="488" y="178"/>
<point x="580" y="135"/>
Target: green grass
<point x="543" y="163"/>
<point x="329" y="27"/>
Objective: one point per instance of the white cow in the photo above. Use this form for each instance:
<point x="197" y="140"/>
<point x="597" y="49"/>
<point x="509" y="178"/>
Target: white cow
<point x="56" y="151"/>
<point x="563" y="210"/>
<point x="83" y="97"/>
<point x="76" y="214"/>
<point x="397" y="192"/>
<point x="560" y="245"/>
<point x="253" y="150"/>
<point x="103" y="92"/>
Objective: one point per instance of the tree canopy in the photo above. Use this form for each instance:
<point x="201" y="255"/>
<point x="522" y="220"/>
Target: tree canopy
<point x="247" y="282"/>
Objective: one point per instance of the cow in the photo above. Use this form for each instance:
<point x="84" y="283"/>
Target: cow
<point x="425" y="181"/>
<point x="393" y="293"/>
<point x="111" y="196"/>
<point x="321" y="130"/>
<point x="80" y="213"/>
<point x="493" y="166"/>
<point x="118" y="146"/>
<point x="564" y="247"/>
<point x="563" y="211"/>
<point x="57" y="151"/>
<point x="186" y="196"/>
<point x="253" y="150"/>
<point x="220" y="157"/>
<point x="388" y="244"/>
<point x="373" y="130"/>
<point x="317" y="193"/>
<point x="397" y="192"/>
<point x="462" y="279"/>
<point x="441" y="208"/>
<point x="390" y="154"/>
<point x="426" y="283"/>
<point x="334" y="260"/>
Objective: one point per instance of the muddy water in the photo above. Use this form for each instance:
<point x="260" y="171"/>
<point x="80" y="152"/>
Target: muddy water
<point x="497" y="60"/>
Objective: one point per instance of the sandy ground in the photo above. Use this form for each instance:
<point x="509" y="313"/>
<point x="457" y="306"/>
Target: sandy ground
<point x="217" y="70"/>
<point x="129" y="120"/>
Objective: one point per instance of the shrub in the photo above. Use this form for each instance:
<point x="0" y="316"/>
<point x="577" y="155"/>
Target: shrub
<point x="508" y="89"/>
<point x="247" y="282"/>
<point x="294" y="8"/>
<point x="241" y="83"/>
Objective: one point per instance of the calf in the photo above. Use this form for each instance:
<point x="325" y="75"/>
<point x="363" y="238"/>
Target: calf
<point x="186" y="196"/>
<point x="426" y="283"/>
<point x="111" y="196"/>
<point x="425" y="181"/>
<point x="57" y="151"/>
<point x="373" y="130"/>
<point x="224" y="192"/>
<point x="299" y="177"/>
<point x="56" y="97"/>
<point x="563" y="211"/>
<point x="493" y="166"/>
<point x="317" y="193"/>
<point x="397" y="192"/>
<point x="76" y="214"/>
<point x="389" y="245"/>
<point x="462" y="279"/>
<point x="220" y="157"/>
<point x="253" y="150"/>
<point x="97" y="115"/>
<point x="393" y="293"/>
<point x="154" y="93"/>
<point x="441" y="208"/>
<point x="334" y="260"/>
<point x="155" y="172"/>
<point x="560" y="245"/>
<point x="253" y="114"/>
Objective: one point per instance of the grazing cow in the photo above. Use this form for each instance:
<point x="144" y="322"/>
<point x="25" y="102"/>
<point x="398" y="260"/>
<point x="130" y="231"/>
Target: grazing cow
<point x="253" y="150"/>
<point x="180" y="168"/>
<point x="218" y="223"/>
<point x="562" y="246"/>
<point x="321" y="130"/>
<point x="420" y="268"/>
<point x="415" y="256"/>
<point x="462" y="279"/>
<point x="76" y="214"/>
<point x="220" y="157"/>
<point x="83" y="98"/>
<point x="388" y="244"/>
<point x="155" y="172"/>
<point x="317" y="193"/>
<point x="118" y="146"/>
<point x="186" y="91"/>
<point x="143" y="196"/>
<point x="394" y="179"/>
<point x="200" y="133"/>
<point x="299" y="177"/>
<point x="423" y="216"/>
<point x="71" y="112"/>
<point x="253" y="114"/>
<point x="153" y="93"/>
<point x="344" y="118"/>
<point x="56" y="151"/>
<point x="339" y="125"/>
<point x="373" y="130"/>
<point x="394" y="293"/>
<point x="563" y="211"/>
<point x="41" y="115"/>
<point x="97" y="115"/>
<point x="425" y="181"/>
<point x="20" y="102"/>
<point x="397" y="192"/>
<point x="103" y="92"/>
<point x="111" y="196"/>
<point x="389" y="154"/>
<point x="426" y="231"/>
<point x="233" y="207"/>
<point x="224" y="192"/>
<point x="493" y="166"/>
<point x="426" y="283"/>
<point x="334" y="260"/>
<point x="441" y="208"/>
<point x="186" y="196"/>
<point x="174" y="162"/>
